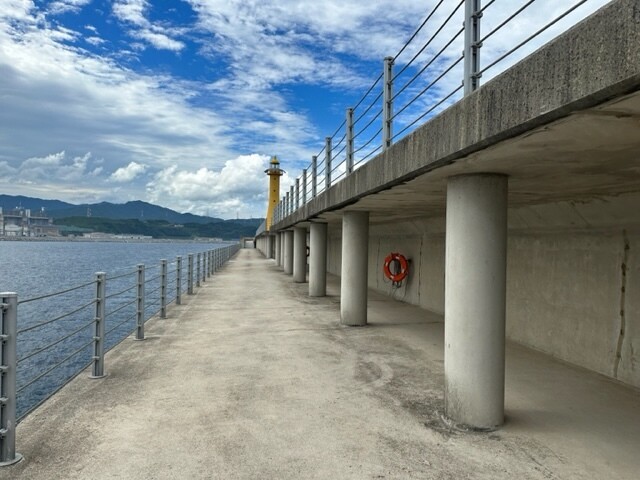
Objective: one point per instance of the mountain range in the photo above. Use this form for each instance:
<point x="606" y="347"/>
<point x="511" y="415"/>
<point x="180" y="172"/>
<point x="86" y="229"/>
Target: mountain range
<point x="132" y="217"/>
<point x="130" y="210"/>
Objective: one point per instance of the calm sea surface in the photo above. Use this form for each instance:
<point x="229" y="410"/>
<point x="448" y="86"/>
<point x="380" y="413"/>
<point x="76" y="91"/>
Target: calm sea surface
<point x="32" y="269"/>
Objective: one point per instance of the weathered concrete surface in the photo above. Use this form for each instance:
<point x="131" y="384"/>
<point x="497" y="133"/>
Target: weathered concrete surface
<point x="252" y="379"/>
<point x="573" y="277"/>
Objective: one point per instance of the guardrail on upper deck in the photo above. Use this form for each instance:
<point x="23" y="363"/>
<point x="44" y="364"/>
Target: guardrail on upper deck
<point x="137" y="297"/>
<point x="443" y="67"/>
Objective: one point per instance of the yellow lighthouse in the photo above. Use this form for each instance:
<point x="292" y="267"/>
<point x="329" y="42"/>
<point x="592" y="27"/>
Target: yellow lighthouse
<point x="275" y="172"/>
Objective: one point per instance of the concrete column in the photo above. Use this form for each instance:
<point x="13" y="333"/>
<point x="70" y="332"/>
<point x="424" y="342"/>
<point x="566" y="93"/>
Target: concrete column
<point x="355" y="253"/>
<point x="318" y="260"/>
<point x="282" y="249"/>
<point x="299" y="254"/>
<point x="269" y="246"/>
<point x="475" y="295"/>
<point x="288" y="252"/>
<point x="278" y="251"/>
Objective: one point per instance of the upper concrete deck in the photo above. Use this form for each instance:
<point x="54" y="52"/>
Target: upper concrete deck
<point x="252" y="379"/>
<point x="562" y="124"/>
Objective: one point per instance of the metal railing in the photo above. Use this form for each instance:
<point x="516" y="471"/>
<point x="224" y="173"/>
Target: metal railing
<point x="95" y="322"/>
<point x="439" y="64"/>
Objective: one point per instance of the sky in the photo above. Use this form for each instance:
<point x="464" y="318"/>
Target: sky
<point x="182" y="103"/>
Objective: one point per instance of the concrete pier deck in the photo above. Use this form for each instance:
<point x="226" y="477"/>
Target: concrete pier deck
<point x="252" y="379"/>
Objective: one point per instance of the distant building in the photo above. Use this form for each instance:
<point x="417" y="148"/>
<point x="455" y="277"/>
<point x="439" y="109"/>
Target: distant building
<point x="113" y="236"/>
<point x="20" y="222"/>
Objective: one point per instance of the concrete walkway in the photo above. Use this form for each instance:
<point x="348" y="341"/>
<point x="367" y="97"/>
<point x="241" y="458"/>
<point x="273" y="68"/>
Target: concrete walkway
<point x="252" y="379"/>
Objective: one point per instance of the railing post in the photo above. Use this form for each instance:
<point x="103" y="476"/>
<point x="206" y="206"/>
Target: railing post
<point x="287" y="204"/>
<point x="204" y="267"/>
<point x="190" y="274"/>
<point x="297" y="193"/>
<point x="472" y="45"/>
<point x="140" y="302"/>
<point x="349" y="139"/>
<point x="178" y="280"/>
<point x="387" y="103"/>
<point x="210" y="263"/>
<point x="304" y="186"/>
<point x="327" y="162"/>
<point x="97" y="370"/>
<point x="314" y="176"/>
<point x="291" y="200"/>
<point x="163" y="288"/>
<point x="8" y="365"/>
<point x="198" y="270"/>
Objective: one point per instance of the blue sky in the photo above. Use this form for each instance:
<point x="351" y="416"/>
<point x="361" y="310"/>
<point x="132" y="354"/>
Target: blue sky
<point x="182" y="102"/>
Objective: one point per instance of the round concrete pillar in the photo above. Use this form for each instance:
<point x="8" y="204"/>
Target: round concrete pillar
<point x="288" y="252"/>
<point x="299" y="254"/>
<point x="475" y="296"/>
<point x="355" y="253"/>
<point x="318" y="260"/>
<point x="269" y="246"/>
<point x="281" y="234"/>
<point x="278" y="251"/>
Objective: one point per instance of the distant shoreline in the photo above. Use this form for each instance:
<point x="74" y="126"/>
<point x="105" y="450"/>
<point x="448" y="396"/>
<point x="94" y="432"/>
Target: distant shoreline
<point x="114" y="240"/>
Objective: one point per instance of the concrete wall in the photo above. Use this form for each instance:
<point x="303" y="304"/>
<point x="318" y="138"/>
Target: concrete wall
<point x="573" y="286"/>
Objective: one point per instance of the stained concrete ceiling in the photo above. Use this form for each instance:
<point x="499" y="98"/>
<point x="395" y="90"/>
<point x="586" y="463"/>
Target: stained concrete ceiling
<point x="589" y="154"/>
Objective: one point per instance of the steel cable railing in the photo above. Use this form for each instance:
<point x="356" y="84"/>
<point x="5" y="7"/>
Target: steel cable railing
<point x="55" y="355"/>
<point x="519" y="45"/>
<point x="434" y="84"/>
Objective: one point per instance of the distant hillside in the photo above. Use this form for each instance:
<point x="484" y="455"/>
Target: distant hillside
<point x="225" y="229"/>
<point x="130" y="210"/>
<point x="9" y="202"/>
<point x="136" y="209"/>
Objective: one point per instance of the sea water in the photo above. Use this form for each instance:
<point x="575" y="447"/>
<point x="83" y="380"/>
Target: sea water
<point x="36" y="268"/>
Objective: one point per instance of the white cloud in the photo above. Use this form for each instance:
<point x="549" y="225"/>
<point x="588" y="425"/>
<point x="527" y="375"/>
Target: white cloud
<point x="128" y="173"/>
<point x="95" y="41"/>
<point x="240" y="185"/>
<point x="160" y="40"/>
<point x="133" y="12"/>
<point x="63" y="6"/>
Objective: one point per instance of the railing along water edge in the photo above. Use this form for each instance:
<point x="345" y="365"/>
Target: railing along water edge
<point x="146" y="304"/>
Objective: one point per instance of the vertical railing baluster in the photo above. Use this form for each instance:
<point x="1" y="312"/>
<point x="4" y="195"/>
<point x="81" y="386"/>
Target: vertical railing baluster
<point x="140" y="302"/>
<point x="178" y="280"/>
<point x="97" y="370"/>
<point x="349" y="139"/>
<point x="304" y="186"/>
<point x="204" y="267"/>
<point x="472" y="14"/>
<point x="163" y="288"/>
<point x="314" y="176"/>
<point x="190" y="274"/>
<point x="8" y="365"/>
<point x="327" y="162"/>
<point x="297" y="194"/>
<point x="291" y="200"/>
<point x="197" y="270"/>
<point x="387" y="104"/>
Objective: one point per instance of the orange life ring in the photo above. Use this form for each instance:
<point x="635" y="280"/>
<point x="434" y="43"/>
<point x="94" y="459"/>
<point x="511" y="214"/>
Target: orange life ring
<point x="401" y="267"/>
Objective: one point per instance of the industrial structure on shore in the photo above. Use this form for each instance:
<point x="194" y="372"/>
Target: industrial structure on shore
<point x="22" y="222"/>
